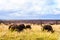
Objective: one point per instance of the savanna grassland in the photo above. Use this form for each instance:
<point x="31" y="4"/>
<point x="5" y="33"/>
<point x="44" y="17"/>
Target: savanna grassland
<point x="35" y="33"/>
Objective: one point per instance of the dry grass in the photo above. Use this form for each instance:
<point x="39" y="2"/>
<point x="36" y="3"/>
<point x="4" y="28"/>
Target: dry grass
<point x="35" y="33"/>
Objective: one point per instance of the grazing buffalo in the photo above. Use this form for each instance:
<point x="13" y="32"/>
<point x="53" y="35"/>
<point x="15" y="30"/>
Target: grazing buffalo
<point x="28" y="26"/>
<point x="17" y="27"/>
<point x="20" y="27"/>
<point x="12" y="27"/>
<point x="48" y="28"/>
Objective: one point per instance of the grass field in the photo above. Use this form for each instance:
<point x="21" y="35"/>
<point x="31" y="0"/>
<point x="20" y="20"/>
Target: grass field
<point x="35" y="33"/>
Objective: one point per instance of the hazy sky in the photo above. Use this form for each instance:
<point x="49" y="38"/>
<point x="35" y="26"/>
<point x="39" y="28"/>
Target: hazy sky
<point x="29" y="9"/>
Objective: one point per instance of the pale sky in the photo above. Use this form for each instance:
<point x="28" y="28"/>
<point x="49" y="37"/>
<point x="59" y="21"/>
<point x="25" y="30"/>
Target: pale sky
<point x="29" y="9"/>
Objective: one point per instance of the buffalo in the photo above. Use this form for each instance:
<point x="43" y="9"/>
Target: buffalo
<point x="28" y="26"/>
<point x="20" y="27"/>
<point x="17" y="27"/>
<point x="12" y="27"/>
<point x="48" y="28"/>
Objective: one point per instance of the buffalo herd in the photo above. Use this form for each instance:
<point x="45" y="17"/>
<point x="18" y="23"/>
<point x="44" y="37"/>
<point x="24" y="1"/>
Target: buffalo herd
<point x="19" y="27"/>
<point x="22" y="27"/>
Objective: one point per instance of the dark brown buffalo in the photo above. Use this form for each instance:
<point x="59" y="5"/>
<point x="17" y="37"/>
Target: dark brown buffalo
<point x="28" y="26"/>
<point x="20" y="27"/>
<point x="17" y="27"/>
<point x="48" y="28"/>
<point x="12" y="27"/>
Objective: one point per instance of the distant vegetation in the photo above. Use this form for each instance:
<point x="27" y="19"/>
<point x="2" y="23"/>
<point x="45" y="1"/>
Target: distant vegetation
<point x="31" y="21"/>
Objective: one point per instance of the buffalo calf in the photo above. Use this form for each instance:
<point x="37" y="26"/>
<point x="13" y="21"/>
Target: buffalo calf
<point x="28" y="26"/>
